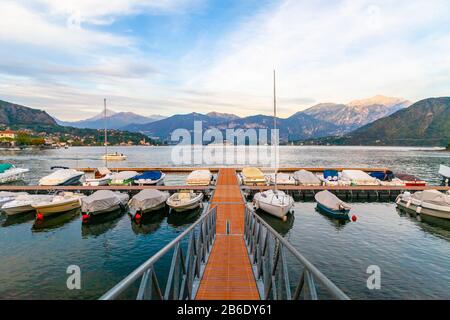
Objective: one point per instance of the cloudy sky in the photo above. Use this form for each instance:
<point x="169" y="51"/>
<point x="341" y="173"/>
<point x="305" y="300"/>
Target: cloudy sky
<point x="178" y="56"/>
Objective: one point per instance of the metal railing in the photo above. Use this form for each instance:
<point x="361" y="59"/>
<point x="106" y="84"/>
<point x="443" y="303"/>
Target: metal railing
<point x="268" y="252"/>
<point x="186" y="269"/>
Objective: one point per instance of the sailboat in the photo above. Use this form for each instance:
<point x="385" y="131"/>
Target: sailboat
<point x="116" y="156"/>
<point x="274" y="202"/>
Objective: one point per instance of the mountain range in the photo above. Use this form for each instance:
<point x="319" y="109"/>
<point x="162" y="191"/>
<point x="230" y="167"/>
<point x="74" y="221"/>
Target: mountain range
<point x="357" y="113"/>
<point x="12" y="114"/>
<point x="425" y="123"/>
<point x="321" y="120"/>
<point x="39" y="122"/>
<point x="114" y="120"/>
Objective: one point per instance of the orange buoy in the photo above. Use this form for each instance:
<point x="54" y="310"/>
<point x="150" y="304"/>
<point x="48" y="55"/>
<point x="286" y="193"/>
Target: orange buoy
<point x="39" y="216"/>
<point x="85" y="217"/>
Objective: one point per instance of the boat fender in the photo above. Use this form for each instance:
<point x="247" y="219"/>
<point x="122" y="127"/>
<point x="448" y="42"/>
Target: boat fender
<point x="85" y="217"/>
<point x="419" y="210"/>
<point x="408" y="204"/>
<point x="354" y="218"/>
<point x="137" y="216"/>
<point x="398" y="199"/>
<point x="39" y="216"/>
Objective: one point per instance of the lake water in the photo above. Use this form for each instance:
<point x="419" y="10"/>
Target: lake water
<point x="414" y="256"/>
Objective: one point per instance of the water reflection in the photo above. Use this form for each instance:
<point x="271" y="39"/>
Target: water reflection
<point x="55" y="221"/>
<point x="280" y="226"/>
<point x="99" y="225"/>
<point x="338" y="224"/>
<point x="431" y="225"/>
<point x="150" y="222"/>
<point x="17" y="219"/>
<point x="179" y="219"/>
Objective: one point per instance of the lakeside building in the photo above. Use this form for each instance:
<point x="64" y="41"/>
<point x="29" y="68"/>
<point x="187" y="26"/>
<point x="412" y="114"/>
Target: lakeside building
<point x="9" y="134"/>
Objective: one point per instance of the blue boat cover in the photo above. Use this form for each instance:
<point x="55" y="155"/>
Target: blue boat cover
<point x="149" y="175"/>
<point x="330" y="173"/>
<point x="383" y="176"/>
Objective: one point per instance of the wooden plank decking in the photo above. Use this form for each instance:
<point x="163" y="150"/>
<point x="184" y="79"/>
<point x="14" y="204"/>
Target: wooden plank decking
<point x="228" y="274"/>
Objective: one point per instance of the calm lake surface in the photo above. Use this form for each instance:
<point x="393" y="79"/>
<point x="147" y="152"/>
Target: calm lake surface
<point x="414" y="256"/>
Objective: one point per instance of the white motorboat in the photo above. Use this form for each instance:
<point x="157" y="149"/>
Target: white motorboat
<point x="62" y="202"/>
<point x="109" y="156"/>
<point x="6" y="196"/>
<point x="428" y="202"/>
<point x="146" y="201"/>
<point x="9" y="173"/>
<point x="283" y="179"/>
<point x="444" y="171"/>
<point x="185" y="200"/>
<point x="123" y="178"/>
<point x="114" y="156"/>
<point x="63" y="177"/>
<point x="102" y="177"/>
<point x="24" y="203"/>
<point x="307" y="178"/>
<point x="102" y="202"/>
<point x="274" y="202"/>
<point x="199" y="178"/>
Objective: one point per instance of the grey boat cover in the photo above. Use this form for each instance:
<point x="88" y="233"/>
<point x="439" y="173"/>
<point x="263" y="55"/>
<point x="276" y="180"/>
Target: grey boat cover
<point x="148" y="198"/>
<point x="307" y="178"/>
<point x="124" y="175"/>
<point x="102" y="200"/>
<point x="432" y="196"/>
<point x="329" y="200"/>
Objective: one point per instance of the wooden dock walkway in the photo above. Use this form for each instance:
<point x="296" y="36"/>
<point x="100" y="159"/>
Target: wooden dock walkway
<point x="228" y="274"/>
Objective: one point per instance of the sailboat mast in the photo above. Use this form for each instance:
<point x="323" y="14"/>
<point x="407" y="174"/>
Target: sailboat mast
<point x="106" y="134"/>
<point x="275" y="126"/>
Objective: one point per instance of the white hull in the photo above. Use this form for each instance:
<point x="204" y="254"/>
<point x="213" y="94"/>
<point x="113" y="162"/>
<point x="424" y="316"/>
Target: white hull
<point x="273" y="205"/>
<point x="149" y="182"/>
<point x="425" y="208"/>
<point x="185" y="205"/>
<point x="97" y="182"/>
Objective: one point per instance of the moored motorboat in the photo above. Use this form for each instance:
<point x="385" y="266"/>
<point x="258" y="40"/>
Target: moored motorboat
<point x="185" y="200"/>
<point x="123" y="178"/>
<point x="154" y="177"/>
<point x="444" y="171"/>
<point x="199" y="178"/>
<point x="253" y="177"/>
<point x="306" y="178"/>
<point x="102" y="177"/>
<point x="6" y="196"/>
<point x="410" y="180"/>
<point x="62" y="202"/>
<point x="274" y="202"/>
<point x="332" y="206"/>
<point x="428" y="202"/>
<point x="114" y="156"/>
<point x="331" y="177"/>
<point x="146" y="201"/>
<point x="63" y="177"/>
<point x="24" y="203"/>
<point x="283" y="179"/>
<point x="103" y="202"/>
<point x="9" y="173"/>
